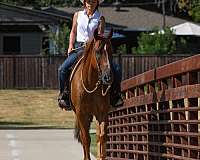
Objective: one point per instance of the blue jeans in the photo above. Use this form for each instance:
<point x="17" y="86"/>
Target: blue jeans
<point x="64" y="71"/>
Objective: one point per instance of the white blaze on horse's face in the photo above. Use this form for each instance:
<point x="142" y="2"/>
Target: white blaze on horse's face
<point x="104" y="63"/>
<point x="103" y="53"/>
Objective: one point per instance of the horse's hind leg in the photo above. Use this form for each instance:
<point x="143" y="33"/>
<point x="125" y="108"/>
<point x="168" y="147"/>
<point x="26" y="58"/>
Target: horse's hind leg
<point x="98" y="140"/>
<point x="84" y="124"/>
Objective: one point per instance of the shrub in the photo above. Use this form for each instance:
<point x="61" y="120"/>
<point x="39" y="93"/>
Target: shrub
<point x="159" y="42"/>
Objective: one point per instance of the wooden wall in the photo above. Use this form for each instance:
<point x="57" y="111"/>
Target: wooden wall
<point x="41" y="71"/>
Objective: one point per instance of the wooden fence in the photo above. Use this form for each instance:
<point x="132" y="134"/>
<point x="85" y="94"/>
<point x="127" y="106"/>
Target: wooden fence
<point x="41" y="71"/>
<point x="160" y="118"/>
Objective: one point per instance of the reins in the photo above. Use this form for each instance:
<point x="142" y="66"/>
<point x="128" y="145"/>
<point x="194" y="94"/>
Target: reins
<point x="99" y="82"/>
<point x="82" y="46"/>
<point x="87" y="90"/>
<point x="107" y="89"/>
<point x="96" y="86"/>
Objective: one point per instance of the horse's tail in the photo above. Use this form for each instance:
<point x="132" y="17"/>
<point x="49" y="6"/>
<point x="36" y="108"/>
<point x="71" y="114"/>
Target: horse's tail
<point x="77" y="128"/>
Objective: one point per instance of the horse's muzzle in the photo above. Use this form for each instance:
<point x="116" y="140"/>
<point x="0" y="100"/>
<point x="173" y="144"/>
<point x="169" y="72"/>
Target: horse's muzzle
<point x="106" y="78"/>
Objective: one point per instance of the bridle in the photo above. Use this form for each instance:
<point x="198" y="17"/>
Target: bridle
<point x="99" y="82"/>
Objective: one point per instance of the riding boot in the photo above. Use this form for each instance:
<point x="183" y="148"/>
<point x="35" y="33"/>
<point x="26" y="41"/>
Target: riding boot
<point x="116" y="96"/>
<point x="116" y="99"/>
<point x="64" y="101"/>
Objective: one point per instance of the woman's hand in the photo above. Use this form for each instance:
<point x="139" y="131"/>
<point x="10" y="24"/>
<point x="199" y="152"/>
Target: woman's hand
<point x="70" y="49"/>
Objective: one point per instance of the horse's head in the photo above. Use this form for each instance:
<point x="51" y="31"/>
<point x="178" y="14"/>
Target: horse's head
<point x="103" y="53"/>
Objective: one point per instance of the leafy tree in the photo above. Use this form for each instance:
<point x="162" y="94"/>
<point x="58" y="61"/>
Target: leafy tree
<point x="195" y="11"/>
<point x="184" y="4"/>
<point x="59" y="39"/>
<point x="74" y="3"/>
<point x="191" y="8"/>
<point x="44" y="3"/>
<point x="63" y="39"/>
<point x="157" y="43"/>
<point x="121" y="49"/>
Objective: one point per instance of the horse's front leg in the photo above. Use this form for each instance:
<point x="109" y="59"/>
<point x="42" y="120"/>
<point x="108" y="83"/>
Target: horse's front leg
<point x="84" y="124"/>
<point x="101" y="140"/>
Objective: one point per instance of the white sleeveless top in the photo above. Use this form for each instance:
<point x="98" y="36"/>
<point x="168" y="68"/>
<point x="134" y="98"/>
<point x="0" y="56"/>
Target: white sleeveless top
<point x="86" y="25"/>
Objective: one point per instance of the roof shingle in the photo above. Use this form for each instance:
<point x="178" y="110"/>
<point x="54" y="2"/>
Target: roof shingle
<point x="132" y="18"/>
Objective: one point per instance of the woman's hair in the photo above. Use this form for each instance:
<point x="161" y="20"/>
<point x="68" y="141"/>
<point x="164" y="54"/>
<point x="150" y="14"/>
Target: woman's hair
<point x="96" y="6"/>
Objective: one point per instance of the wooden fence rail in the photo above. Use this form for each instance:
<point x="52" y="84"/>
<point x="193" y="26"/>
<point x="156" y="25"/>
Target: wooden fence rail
<point x="41" y="71"/>
<point x="160" y="118"/>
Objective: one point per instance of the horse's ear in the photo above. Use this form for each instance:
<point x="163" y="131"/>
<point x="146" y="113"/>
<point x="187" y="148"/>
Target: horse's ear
<point x="96" y="35"/>
<point x="110" y="34"/>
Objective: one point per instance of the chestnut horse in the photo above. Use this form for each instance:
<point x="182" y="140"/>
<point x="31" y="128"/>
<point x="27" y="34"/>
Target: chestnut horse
<point x="90" y="94"/>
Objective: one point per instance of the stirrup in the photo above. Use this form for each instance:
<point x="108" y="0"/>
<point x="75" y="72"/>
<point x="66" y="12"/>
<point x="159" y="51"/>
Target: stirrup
<point x="117" y="101"/>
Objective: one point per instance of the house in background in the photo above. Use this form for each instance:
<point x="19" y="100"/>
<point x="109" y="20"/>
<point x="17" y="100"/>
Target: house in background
<point x="24" y="31"/>
<point x="130" y="22"/>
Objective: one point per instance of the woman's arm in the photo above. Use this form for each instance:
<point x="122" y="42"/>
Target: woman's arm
<point x="73" y="33"/>
<point x="101" y="26"/>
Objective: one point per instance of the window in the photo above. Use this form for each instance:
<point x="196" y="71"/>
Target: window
<point x="11" y="44"/>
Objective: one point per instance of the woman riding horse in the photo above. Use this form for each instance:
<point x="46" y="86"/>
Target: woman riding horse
<point x="90" y="93"/>
<point x="84" y="24"/>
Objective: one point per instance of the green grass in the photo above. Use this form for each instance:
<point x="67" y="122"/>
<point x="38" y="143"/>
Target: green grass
<point x="93" y="145"/>
<point x="33" y="108"/>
